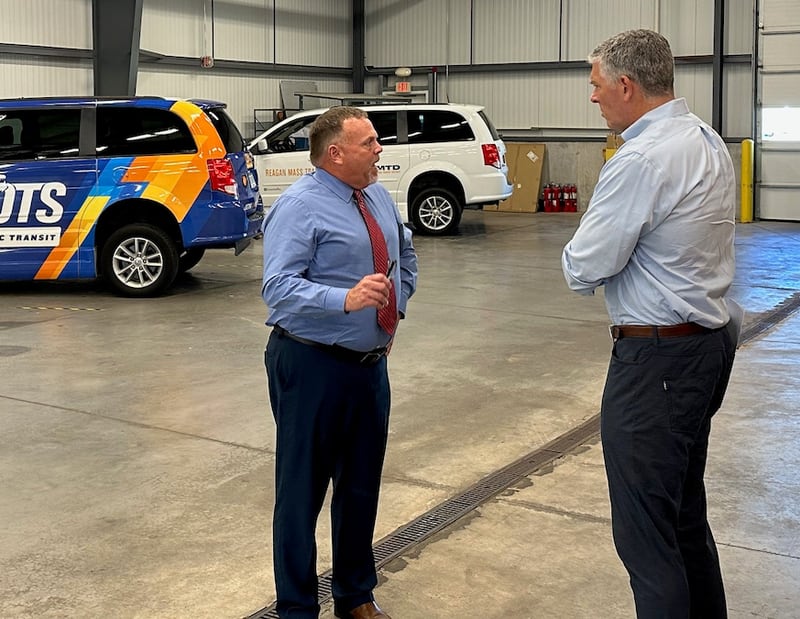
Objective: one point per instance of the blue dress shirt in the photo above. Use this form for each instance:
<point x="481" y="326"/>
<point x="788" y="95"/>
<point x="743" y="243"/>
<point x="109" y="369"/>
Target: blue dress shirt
<point x="316" y="247"/>
<point x="659" y="229"/>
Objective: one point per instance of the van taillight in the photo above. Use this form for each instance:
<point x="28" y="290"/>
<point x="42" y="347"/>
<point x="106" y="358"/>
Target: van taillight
<point x="491" y="155"/>
<point x="220" y="172"/>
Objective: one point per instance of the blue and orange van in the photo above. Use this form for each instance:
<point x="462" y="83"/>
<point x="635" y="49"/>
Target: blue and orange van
<point x="133" y="190"/>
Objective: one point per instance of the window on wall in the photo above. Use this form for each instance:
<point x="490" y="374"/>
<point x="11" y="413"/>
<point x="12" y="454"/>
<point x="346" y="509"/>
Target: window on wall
<point x="780" y="124"/>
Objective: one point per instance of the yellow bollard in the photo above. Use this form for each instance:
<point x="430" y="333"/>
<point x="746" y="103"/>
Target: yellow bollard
<point x="746" y="214"/>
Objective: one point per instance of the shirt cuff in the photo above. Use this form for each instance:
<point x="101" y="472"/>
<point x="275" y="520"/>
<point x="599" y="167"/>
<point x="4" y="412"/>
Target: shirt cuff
<point x="334" y="300"/>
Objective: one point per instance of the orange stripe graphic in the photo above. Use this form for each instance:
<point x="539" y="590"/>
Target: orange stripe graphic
<point x="72" y="238"/>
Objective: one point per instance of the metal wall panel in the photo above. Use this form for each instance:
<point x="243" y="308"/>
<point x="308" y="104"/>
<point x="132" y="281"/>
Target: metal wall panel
<point x="588" y="22"/>
<point x="739" y="16"/>
<point x="530" y="100"/>
<point x="780" y="14"/>
<point x="417" y="33"/>
<point x="738" y="101"/>
<point x="243" y="30"/>
<point x="516" y="31"/>
<point x="314" y="32"/>
<point x="304" y="32"/>
<point x="175" y="28"/>
<point x="58" y="23"/>
<point x="560" y="99"/>
<point x="688" y="26"/>
<point x="779" y="89"/>
<point x="25" y="76"/>
<point x="694" y="84"/>
<point x="781" y="51"/>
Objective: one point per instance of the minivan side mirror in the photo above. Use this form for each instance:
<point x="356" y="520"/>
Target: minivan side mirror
<point x="261" y="146"/>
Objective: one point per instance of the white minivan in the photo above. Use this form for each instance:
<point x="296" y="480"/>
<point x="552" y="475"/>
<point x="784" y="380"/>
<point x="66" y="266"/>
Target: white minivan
<point x="437" y="159"/>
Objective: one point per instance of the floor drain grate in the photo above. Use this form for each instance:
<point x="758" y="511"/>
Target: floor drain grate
<point x="782" y="311"/>
<point x="60" y="308"/>
<point x="443" y="515"/>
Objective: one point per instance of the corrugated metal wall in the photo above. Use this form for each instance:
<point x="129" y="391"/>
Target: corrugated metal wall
<point x="303" y="32"/>
<point x="25" y="76"/>
<point x="318" y="33"/>
<point x="60" y="23"/>
<point x="521" y="31"/>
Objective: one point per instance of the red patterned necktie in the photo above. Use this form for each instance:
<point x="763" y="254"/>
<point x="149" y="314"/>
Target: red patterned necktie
<point x="387" y="316"/>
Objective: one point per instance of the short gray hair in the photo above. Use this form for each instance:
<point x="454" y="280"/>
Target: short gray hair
<point x="328" y="128"/>
<point x="643" y="55"/>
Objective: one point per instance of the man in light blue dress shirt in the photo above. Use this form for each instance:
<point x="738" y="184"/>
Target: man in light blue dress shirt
<point x="326" y="360"/>
<point x="659" y="235"/>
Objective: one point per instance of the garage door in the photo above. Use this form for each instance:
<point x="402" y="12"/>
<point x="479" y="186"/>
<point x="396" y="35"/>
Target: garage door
<point x="778" y="91"/>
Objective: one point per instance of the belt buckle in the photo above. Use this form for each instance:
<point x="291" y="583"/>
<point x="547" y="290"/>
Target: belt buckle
<point x="371" y="358"/>
<point x="613" y="332"/>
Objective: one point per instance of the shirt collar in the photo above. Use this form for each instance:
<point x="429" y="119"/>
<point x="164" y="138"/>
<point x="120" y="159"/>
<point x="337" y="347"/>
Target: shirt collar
<point x="675" y="107"/>
<point x="338" y="188"/>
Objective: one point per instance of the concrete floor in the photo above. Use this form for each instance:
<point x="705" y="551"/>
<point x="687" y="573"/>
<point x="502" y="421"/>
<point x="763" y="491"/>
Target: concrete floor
<point x="137" y="449"/>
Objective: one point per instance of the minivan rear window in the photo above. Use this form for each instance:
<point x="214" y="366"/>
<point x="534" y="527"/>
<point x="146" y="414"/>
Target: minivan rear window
<point x="136" y="131"/>
<point x="426" y="126"/>
<point x="231" y="138"/>
<point x="492" y="130"/>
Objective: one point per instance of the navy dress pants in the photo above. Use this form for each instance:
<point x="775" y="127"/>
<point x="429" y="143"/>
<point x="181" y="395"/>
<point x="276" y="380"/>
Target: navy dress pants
<point x="332" y="419"/>
<point x="659" y="397"/>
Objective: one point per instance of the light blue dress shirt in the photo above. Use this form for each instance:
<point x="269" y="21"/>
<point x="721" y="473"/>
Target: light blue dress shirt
<point x="659" y="229"/>
<point x="316" y="247"/>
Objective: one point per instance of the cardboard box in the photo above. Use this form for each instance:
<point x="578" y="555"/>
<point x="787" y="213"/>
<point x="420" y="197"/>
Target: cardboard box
<point x="525" y="161"/>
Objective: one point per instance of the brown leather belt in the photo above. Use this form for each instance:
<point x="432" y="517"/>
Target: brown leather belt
<point x="681" y="330"/>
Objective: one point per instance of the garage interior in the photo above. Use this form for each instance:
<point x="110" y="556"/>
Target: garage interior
<point x="137" y="452"/>
<point x="138" y="446"/>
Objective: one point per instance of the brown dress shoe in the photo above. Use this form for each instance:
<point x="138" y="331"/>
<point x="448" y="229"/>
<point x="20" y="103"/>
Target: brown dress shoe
<point x="370" y="610"/>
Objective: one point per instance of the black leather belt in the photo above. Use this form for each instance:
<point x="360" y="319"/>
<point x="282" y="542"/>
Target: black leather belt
<point x="681" y="330"/>
<point x="371" y="357"/>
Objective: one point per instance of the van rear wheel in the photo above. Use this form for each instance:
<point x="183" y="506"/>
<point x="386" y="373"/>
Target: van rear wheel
<point x="435" y="212"/>
<point x="139" y="260"/>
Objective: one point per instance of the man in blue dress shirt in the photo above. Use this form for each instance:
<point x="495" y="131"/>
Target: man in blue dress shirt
<point x="326" y="360"/>
<point x="658" y="234"/>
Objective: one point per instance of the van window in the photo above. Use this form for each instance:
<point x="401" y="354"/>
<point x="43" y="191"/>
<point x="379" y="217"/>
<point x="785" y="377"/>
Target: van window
<point x="492" y="130"/>
<point x="39" y="134"/>
<point x="292" y="137"/>
<point x="385" y="124"/>
<point x="426" y="126"/>
<point x="227" y="129"/>
<point x="135" y="131"/>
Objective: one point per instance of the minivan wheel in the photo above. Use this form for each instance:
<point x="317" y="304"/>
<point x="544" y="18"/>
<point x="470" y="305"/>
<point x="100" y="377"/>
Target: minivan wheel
<point x="139" y="260"/>
<point x="189" y="258"/>
<point x="435" y="212"/>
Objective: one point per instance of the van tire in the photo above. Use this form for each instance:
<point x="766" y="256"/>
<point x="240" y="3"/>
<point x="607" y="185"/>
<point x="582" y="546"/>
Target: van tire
<point x="139" y="260"/>
<point x="435" y="212"/>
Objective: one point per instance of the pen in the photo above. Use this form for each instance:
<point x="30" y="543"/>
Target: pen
<point x="390" y="270"/>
